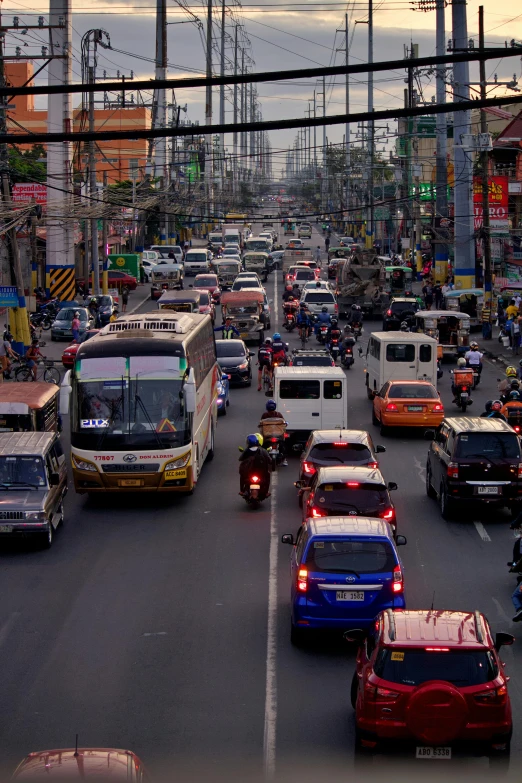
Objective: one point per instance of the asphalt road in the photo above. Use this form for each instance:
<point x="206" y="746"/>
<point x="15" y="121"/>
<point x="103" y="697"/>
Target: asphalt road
<point x="162" y="625"/>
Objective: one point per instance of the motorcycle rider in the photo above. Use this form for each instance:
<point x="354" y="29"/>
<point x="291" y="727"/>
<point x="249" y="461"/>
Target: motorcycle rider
<point x="288" y="293"/>
<point x="279" y="349"/>
<point x="304" y="319"/>
<point x="323" y="318"/>
<point x="516" y="567"/>
<point x="461" y="367"/>
<point x="520" y="370"/>
<point x="228" y="330"/>
<point x="334" y="333"/>
<point x="290" y="306"/>
<point x="474" y="358"/>
<point x="511" y="374"/>
<point x="487" y="409"/>
<point x="513" y="404"/>
<point x="265" y="357"/>
<point x="254" y="459"/>
<point x="272" y="413"/>
<point x="496" y="411"/>
<point x="355" y="315"/>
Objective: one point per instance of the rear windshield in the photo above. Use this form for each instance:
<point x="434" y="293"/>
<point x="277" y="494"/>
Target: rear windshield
<point x="319" y="296"/>
<point x="365" y="499"/>
<point x="344" y="453"/>
<point x="312" y="361"/>
<point x="490" y="445"/>
<point x="413" y="667"/>
<point x="400" y="307"/>
<point x="400" y="352"/>
<point x="204" y="298"/>
<point x="205" y="280"/>
<point x="368" y="557"/>
<point x="412" y="392"/>
<point x="299" y="390"/>
<point x="304" y="274"/>
<point x="229" y="348"/>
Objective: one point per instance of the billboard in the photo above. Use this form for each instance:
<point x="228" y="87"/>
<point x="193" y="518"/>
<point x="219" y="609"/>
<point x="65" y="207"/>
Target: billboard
<point x="27" y="191"/>
<point x="498" y="190"/>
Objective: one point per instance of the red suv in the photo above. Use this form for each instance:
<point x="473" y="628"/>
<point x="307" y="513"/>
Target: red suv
<point x="434" y="679"/>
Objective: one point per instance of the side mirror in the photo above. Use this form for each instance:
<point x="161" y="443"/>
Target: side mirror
<point x="502" y="639"/>
<point x="401" y="540"/>
<point x="392" y="486"/>
<point x="300" y="484"/>
<point x="54" y="479"/>
<point x="287" y="538"/>
<point x="429" y="434"/>
<point x="380" y="449"/>
<point x="251" y="353"/>
<point x="355" y="636"/>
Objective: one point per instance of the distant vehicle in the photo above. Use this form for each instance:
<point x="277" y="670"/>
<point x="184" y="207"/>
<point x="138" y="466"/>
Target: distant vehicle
<point x="69" y="354"/>
<point x="316" y="300"/>
<point x="164" y="250"/>
<point x="61" y="328"/>
<point x="337" y="447"/>
<point x="311" y="357"/>
<point x="407" y="404"/>
<point x="117" y="280"/>
<point x="234" y="358"/>
<point x="197" y="260"/>
<point x="79" y="763"/>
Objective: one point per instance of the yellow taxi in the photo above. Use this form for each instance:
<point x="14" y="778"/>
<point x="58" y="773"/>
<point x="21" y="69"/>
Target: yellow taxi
<point x="407" y="404"/>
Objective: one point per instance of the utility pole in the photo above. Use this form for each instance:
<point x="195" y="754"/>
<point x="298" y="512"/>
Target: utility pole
<point x="161" y="110"/>
<point x="347" y="111"/>
<point x="315" y="140"/>
<point x="464" y="265"/>
<point x="209" y="160"/>
<point x="105" y="233"/>
<point x="234" y="138"/>
<point x="441" y="195"/>
<point x="222" y="102"/>
<point x="325" y="157"/>
<point x="371" y="128"/>
<point x="486" y="229"/>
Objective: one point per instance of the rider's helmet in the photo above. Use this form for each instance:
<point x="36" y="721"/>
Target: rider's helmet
<point x="514" y="396"/>
<point x="76" y="314"/>
<point x="496" y="405"/>
<point x="355" y="307"/>
<point x="511" y="372"/>
<point x="252" y="440"/>
<point x="334" y="321"/>
<point x="271" y="405"/>
<point x="302" y="306"/>
<point x="290" y="299"/>
<point x="228" y="318"/>
<point x="474" y="346"/>
<point x="34" y="342"/>
<point x="324" y="309"/>
<point x="289" y="287"/>
<point x="461" y="362"/>
<point x="514" y="385"/>
<point x="259" y="438"/>
<point x="276" y="336"/>
<point x="488" y="405"/>
<point x="268" y="341"/>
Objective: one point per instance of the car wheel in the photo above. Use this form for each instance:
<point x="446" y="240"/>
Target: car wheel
<point x="47" y="538"/>
<point x="296" y="636"/>
<point x="429" y="489"/>
<point x="445" y="504"/>
<point x="375" y="420"/>
<point x="384" y="429"/>
<point x="353" y="689"/>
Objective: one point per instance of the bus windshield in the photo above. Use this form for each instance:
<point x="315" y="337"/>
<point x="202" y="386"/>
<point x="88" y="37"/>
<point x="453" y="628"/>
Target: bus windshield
<point x="251" y="245"/>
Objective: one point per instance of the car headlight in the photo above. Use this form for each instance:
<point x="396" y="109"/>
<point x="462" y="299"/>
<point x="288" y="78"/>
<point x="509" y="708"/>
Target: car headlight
<point x="36" y="516"/>
<point x="83" y="464"/>
<point x="180" y="462"/>
<point x="243" y="366"/>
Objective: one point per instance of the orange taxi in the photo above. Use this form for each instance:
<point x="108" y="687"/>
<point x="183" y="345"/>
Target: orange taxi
<point x="407" y="404"/>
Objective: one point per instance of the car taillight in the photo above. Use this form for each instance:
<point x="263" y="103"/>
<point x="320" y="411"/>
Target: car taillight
<point x="388" y="312"/>
<point x="492" y="696"/>
<point x="516" y="428"/>
<point x="336" y="307"/>
<point x="391" y="408"/>
<point x="302" y="580"/>
<point x="438" y="407"/>
<point x="309" y="468"/>
<point x="453" y="470"/>
<point x="388" y="514"/>
<point x="373" y="465"/>
<point x="380" y="694"/>
<point x="398" y="585"/>
<point x="317" y="512"/>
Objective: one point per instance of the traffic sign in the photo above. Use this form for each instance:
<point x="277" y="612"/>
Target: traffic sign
<point x="8" y="296"/>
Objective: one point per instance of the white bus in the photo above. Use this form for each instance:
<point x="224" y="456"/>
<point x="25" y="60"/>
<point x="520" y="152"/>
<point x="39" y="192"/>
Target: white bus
<point x="143" y="404"/>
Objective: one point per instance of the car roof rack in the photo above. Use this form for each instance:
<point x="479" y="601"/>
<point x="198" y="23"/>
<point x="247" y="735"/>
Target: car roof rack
<point x="391" y="619"/>
<point x="478" y="626"/>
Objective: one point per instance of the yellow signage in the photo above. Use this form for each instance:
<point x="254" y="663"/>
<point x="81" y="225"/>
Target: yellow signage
<point x="165" y="425"/>
<point x="120" y="261"/>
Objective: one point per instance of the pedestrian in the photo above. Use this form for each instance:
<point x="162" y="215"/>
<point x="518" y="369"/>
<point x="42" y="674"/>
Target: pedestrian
<point x="516" y="334"/>
<point x="124" y="298"/>
<point x="438" y="296"/>
<point x="185" y="247"/>
<point x="327" y="243"/>
<point x="114" y="316"/>
<point x="517" y="299"/>
<point x="142" y="273"/>
<point x="511" y="309"/>
<point x="427" y="292"/>
<point x="75" y="327"/>
<point x="318" y="256"/>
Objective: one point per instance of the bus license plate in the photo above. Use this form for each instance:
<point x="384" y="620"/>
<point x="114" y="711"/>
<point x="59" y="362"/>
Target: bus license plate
<point x="488" y="490"/>
<point x="175" y="474"/>
<point x="349" y="595"/>
<point x="130" y="483"/>
<point x="433" y="753"/>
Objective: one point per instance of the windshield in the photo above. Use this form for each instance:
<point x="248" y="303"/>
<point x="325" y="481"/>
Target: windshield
<point x="229" y="348"/>
<point x="349" y="453"/>
<point x="363" y="557"/>
<point x="320" y="296"/>
<point x="304" y="274"/>
<point x="22" y="472"/>
<point x="412" y="391"/>
<point x="312" y="361"/>
<point x="413" y="667"/>
<point x="105" y="301"/>
<point x="68" y="314"/>
<point x="244" y="283"/>
<point x="205" y="280"/>
<point x="256" y="244"/>
<point x="365" y="499"/>
<point x="401" y="307"/>
<point x="196" y="257"/>
<point x="489" y="445"/>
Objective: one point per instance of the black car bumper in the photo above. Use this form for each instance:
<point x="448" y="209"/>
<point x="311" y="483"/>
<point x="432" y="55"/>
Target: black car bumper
<point x="236" y="376"/>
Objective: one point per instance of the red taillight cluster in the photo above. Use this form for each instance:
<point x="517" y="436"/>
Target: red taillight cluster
<point x="397" y="584"/>
<point x="388" y="514"/>
<point x="254" y="479"/>
<point x="309" y="468"/>
<point x="380" y="694"/>
<point x="492" y="696"/>
<point x="302" y="580"/>
<point x="391" y="408"/>
<point x="438" y="407"/>
<point x="373" y="465"/>
<point x="388" y="312"/>
<point x="317" y="512"/>
<point x="453" y="470"/>
<point x="520" y="470"/>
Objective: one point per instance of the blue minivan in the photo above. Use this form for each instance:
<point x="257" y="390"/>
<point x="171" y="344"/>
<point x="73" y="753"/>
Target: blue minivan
<point x="344" y="571"/>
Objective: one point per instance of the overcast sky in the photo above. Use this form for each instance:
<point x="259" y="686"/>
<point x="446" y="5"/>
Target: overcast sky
<point x="279" y="40"/>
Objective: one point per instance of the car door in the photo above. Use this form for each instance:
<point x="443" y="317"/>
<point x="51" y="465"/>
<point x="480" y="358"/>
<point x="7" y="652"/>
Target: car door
<point x="440" y="456"/>
<point x="333" y="405"/>
<point x="379" y="400"/>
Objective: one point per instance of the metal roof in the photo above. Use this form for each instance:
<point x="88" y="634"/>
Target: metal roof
<point x="335" y="373"/>
<point x="341" y="473"/>
<point x="330" y="436"/>
<point x="33" y="395"/>
<point x="441" y="314"/>
<point x="476" y="424"/>
<point x="357" y="526"/>
<point x="34" y="443"/>
<point x="424" y="626"/>
<point x="410" y="337"/>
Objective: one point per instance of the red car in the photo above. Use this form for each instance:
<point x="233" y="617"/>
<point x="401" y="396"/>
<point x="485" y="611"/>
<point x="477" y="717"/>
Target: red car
<point x="432" y="679"/>
<point x="210" y="283"/>
<point x="206" y="305"/>
<point x="117" y="280"/>
<point x="69" y="354"/>
<point x="80" y="763"/>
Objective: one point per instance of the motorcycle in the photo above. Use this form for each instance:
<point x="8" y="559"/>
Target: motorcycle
<point x="253" y="496"/>
<point x="347" y="359"/>
<point x="335" y="349"/>
<point x="463" y="382"/>
<point x="41" y="320"/>
<point x="357" y="329"/>
<point x="290" y="321"/>
<point x="322" y="333"/>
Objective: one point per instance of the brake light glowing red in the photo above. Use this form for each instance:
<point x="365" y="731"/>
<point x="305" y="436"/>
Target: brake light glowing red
<point x="437" y="649"/>
<point x="302" y="580"/>
<point x="388" y="312"/>
<point x="438" y="407"/>
<point x="373" y="465"/>
<point x="464" y="389"/>
<point x="388" y="514"/>
<point x="341" y="443"/>
<point x="397" y="584"/>
<point x="316" y="512"/>
<point x="453" y="470"/>
<point x="309" y="468"/>
<point x="254" y="479"/>
<point x="353" y="484"/>
<point x="516" y="428"/>
<point x="391" y="408"/>
<point x="520" y="470"/>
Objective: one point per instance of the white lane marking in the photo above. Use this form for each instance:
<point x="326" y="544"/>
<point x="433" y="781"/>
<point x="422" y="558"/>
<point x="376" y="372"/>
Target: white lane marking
<point x="420" y="468"/>
<point x="270" y="726"/>
<point x="269" y="738"/>
<point x="5" y="630"/>
<point x="155" y="633"/>
<point x="481" y="530"/>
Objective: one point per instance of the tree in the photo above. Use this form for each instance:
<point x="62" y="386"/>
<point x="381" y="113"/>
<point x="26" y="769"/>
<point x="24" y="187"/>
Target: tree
<point x="28" y="165"/>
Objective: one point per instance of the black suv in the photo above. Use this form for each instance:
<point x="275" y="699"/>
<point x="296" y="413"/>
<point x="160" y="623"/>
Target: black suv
<point x="474" y="460"/>
<point x="401" y="308"/>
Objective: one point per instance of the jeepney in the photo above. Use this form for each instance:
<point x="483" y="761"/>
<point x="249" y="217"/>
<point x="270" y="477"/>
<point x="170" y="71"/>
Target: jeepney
<point x="165" y="277"/>
<point x="338" y="252"/>
<point x="288" y="227"/>
<point x="180" y="301"/>
<point x="227" y="270"/>
<point x="450" y="329"/>
<point x="466" y="300"/>
<point x="256" y="262"/>
<point x="398" y="280"/>
<point x="245" y="308"/>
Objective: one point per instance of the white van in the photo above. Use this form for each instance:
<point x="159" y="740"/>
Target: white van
<point x="164" y="250"/>
<point x="400" y="356"/>
<point x="310" y="398"/>
<point x="196" y="261"/>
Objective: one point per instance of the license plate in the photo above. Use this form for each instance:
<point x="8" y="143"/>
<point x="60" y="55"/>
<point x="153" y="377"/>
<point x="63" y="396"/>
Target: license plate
<point x="175" y="474"/>
<point x="130" y="483"/>
<point x="6" y="528"/>
<point x="414" y="407"/>
<point x="255" y="486"/>
<point x="433" y="753"/>
<point x="244" y="335"/>
<point x="349" y="595"/>
<point x="488" y="490"/>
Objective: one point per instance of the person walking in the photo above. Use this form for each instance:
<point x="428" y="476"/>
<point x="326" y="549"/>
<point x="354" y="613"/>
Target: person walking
<point x="75" y="328"/>
<point x="124" y="298"/>
<point x="327" y="243"/>
<point x="427" y="292"/>
<point x="516" y="334"/>
<point x="438" y="296"/>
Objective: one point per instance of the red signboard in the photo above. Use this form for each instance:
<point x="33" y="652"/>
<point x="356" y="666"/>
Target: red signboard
<point x="498" y="190"/>
<point x="29" y="191"/>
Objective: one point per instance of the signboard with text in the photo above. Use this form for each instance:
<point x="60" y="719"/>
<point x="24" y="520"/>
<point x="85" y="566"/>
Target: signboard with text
<point x="29" y="191"/>
<point x="498" y="193"/>
<point x="8" y="296"/>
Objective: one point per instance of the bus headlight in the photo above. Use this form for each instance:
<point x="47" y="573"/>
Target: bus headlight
<point x="180" y="462"/>
<point x="83" y="464"/>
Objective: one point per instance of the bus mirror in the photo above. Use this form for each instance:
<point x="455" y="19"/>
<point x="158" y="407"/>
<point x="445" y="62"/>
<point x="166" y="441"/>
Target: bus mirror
<point x="65" y="393"/>
<point x="189" y="392"/>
